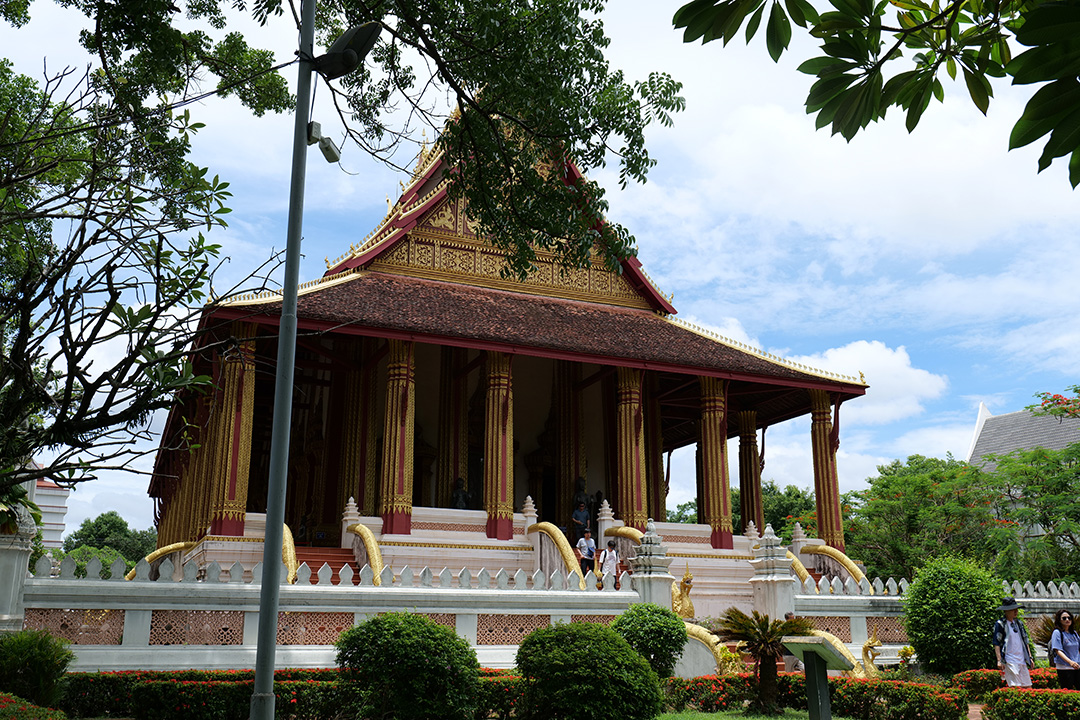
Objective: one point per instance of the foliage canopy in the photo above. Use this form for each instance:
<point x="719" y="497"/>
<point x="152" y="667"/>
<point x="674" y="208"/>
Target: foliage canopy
<point x="862" y="71"/>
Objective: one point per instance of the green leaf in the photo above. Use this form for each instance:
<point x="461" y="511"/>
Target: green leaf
<point x="896" y="87"/>
<point x="1050" y="62"/>
<point x="1074" y="168"/>
<point x="818" y="65"/>
<point x="755" y="21"/>
<point x="826" y="89"/>
<point x="1064" y="139"/>
<point x="978" y="89"/>
<point x="1049" y="24"/>
<point x="950" y="67"/>
<point x="777" y="32"/>
<point x="918" y="105"/>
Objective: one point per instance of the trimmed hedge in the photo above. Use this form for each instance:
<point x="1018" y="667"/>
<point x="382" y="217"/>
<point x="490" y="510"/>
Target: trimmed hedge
<point x="15" y="708"/>
<point x="109" y="694"/>
<point x="1014" y="704"/>
<point x="976" y="685"/>
<point x="225" y="700"/>
<point x="857" y="699"/>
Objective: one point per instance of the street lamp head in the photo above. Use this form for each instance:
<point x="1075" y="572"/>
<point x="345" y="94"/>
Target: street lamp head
<point x="348" y="51"/>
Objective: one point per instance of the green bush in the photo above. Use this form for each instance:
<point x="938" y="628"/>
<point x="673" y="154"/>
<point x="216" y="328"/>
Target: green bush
<point x="655" y="632"/>
<point x="1013" y="704"/>
<point x="109" y="694"/>
<point x="976" y="685"/>
<point x="32" y="665"/>
<point x="950" y="609"/>
<point x="15" y="708"/>
<point x="709" y="693"/>
<point x="408" y="667"/>
<point x="585" y="670"/>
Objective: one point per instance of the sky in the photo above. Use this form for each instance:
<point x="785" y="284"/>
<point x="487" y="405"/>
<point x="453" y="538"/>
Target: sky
<point x="936" y="263"/>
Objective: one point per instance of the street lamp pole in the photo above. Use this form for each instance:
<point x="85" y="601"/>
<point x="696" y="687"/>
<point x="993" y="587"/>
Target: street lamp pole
<point x="343" y="57"/>
<point x="262" y="699"/>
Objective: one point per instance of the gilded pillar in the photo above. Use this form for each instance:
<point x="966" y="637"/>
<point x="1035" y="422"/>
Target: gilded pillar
<point x="654" y="451"/>
<point x="750" y="501"/>
<point x="499" y="447"/>
<point x="632" y="496"/>
<point x="571" y="438"/>
<point x="359" y="435"/>
<point x="716" y="500"/>
<point x="826" y="485"/>
<point x="397" y="457"/>
<point x="236" y="406"/>
<point x="453" y="460"/>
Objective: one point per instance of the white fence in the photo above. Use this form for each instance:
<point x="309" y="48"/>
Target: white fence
<point x="208" y="618"/>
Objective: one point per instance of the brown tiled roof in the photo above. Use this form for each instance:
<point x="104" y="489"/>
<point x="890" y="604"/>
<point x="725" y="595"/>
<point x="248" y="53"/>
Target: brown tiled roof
<point x="447" y="313"/>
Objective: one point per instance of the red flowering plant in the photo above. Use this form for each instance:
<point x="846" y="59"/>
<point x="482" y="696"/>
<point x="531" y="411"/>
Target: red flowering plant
<point x="1014" y="704"/>
<point x="15" y="708"/>
<point x="1058" y="405"/>
<point x="499" y="695"/>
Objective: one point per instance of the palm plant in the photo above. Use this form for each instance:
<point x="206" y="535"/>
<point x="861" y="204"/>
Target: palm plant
<point x="760" y="638"/>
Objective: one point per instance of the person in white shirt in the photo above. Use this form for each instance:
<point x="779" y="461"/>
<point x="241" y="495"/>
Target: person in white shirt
<point x="587" y="546"/>
<point x="609" y="559"/>
<point x="1011" y="646"/>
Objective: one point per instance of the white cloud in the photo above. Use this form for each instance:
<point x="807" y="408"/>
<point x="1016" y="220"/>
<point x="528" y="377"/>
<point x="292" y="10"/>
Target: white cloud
<point x="897" y="388"/>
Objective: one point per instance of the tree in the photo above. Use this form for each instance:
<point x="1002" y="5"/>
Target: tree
<point x="762" y="638"/>
<point x="110" y="530"/>
<point x="863" y="42"/>
<point x="1039" y="503"/>
<point x="100" y="277"/>
<point x="684" y="513"/>
<point x="918" y="509"/>
<point x="1058" y="405"/>
<point x="98" y="202"/>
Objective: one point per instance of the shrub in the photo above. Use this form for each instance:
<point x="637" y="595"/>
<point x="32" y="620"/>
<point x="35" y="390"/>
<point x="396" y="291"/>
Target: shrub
<point x="231" y="700"/>
<point x="976" y="685"/>
<point x="109" y="694"/>
<point x="585" y="670"/>
<point x="950" y="608"/>
<point x="655" y="632"/>
<point x="709" y="693"/>
<point x="406" y="666"/>
<point x="32" y="665"/>
<point x="15" y="708"/>
<point x="499" y="697"/>
<point x="1013" y="704"/>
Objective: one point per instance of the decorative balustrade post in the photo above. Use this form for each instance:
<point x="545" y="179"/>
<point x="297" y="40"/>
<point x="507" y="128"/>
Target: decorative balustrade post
<point x="773" y="584"/>
<point x="14" y="559"/>
<point x="651" y="579"/>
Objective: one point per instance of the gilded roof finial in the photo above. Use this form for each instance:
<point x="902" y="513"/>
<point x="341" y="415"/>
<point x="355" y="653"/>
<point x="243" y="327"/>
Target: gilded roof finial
<point x="389" y="207"/>
<point x="862" y="378"/>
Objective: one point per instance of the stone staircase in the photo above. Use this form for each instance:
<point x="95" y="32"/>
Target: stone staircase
<point x="336" y="558"/>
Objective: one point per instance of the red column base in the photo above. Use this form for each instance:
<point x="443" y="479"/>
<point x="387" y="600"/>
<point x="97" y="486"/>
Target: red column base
<point x="500" y="528"/>
<point x="397" y="523"/>
<point x="227" y="527"/>
<point x="721" y="539"/>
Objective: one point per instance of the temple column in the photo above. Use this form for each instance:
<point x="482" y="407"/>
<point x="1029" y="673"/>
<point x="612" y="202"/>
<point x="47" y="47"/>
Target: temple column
<point x="499" y="447"/>
<point x="236" y="405"/>
<point x="359" y="425"/>
<point x="654" y="451"/>
<point x="453" y="461"/>
<point x="198" y="514"/>
<point x="397" y="460"/>
<point x="632" y="496"/>
<point x="750" y="501"/>
<point x="826" y="485"/>
<point x="571" y="438"/>
<point x="715" y="502"/>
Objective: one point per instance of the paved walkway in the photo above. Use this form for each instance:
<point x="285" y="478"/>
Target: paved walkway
<point x="974" y="711"/>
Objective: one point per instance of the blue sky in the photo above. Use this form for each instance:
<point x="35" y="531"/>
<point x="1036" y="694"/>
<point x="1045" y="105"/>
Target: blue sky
<point x="936" y="263"/>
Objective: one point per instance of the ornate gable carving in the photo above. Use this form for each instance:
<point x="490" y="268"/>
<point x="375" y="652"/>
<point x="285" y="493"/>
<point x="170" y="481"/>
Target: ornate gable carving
<point x="443" y="246"/>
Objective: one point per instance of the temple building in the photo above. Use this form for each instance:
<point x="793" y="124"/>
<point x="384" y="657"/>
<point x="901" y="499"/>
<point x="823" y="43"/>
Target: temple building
<point x="439" y="395"/>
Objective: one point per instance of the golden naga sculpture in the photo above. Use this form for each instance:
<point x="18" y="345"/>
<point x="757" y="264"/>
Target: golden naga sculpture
<point x="864" y="668"/>
<point x="371" y="547"/>
<point x="161" y="552"/>
<point x="680" y="595"/>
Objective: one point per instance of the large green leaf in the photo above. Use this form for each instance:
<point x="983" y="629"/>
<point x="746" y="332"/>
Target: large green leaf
<point x="1049" y="24"/>
<point x="1047" y="62"/>
<point x="778" y="31"/>
<point x="1063" y="140"/>
<point x="979" y="89"/>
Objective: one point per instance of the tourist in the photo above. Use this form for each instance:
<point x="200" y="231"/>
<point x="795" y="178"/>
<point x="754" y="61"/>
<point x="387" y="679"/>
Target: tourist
<point x="587" y="547"/>
<point x="609" y="560"/>
<point x="1011" y="647"/>
<point x="1065" y="651"/>
<point x="581" y="519"/>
